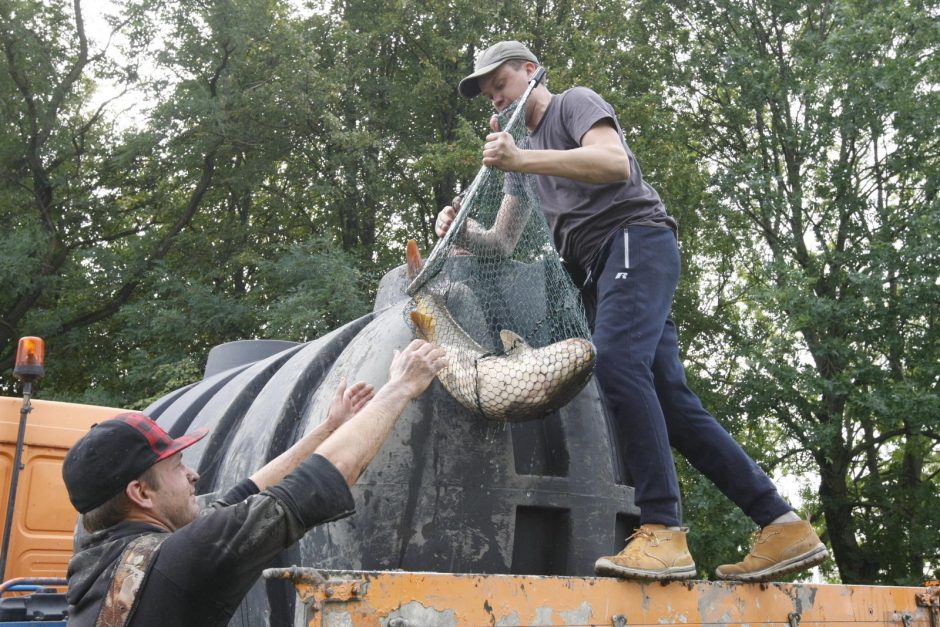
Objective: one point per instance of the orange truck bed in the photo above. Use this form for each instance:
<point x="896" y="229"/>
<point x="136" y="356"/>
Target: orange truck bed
<point x="403" y="599"/>
<point x="43" y="521"/>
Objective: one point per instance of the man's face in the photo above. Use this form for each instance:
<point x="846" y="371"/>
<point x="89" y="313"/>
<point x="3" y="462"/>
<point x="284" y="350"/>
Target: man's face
<point x="505" y="84"/>
<point x="174" y="497"/>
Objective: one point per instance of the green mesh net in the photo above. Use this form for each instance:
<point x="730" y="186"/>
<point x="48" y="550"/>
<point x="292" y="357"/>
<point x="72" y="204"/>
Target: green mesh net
<point x="495" y="296"/>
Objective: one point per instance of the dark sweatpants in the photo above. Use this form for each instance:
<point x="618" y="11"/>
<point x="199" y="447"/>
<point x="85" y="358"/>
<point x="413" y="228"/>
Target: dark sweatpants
<point x="645" y="388"/>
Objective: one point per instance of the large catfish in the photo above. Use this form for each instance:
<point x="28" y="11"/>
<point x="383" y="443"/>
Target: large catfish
<point x="521" y="384"/>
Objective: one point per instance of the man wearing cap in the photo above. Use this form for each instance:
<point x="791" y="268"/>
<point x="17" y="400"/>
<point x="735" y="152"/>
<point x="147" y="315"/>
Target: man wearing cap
<point x="611" y="228"/>
<point x="153" y="558"/>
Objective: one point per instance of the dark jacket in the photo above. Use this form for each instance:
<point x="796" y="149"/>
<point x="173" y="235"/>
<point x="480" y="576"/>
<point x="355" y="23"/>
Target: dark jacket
<point x="202" y="571"/>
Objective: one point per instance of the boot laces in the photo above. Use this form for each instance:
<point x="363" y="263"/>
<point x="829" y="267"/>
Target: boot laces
<point x="757" y="538"/>
<point x="645" y="533"/>
<point x="642" y="532"/>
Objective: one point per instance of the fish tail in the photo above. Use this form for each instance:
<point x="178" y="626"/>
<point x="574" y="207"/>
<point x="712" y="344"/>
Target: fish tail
<point x="424" y="323"/>
<point x="413" y="259"/>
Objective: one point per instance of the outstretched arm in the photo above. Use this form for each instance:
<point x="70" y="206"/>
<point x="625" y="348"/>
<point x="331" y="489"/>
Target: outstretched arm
<point x="347" y="401"/>
<point x="355" y="443"/>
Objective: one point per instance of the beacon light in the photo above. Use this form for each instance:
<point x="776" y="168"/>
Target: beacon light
<point x="30" y="356"/>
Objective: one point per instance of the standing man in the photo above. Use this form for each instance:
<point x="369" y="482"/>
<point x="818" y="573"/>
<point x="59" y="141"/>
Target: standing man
<point x="615" y="236"/>
<point x="153" y="558"/>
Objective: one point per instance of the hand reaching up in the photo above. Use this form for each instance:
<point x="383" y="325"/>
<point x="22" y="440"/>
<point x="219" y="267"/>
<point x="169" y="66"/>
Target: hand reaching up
<point x="347" y="401"/>
<point x="414" y="368"/>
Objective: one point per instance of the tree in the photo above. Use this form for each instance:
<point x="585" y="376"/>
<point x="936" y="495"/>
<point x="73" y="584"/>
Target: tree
<point x="51" y="141"/>
<point x="146" y="247"/>
<point x="819" y="123"/>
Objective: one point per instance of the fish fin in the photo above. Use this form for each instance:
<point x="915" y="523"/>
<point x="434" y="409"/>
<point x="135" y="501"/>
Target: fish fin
<point x="511" y="341"/>
<point x="413" y="259"/>
<point x="424" y="323"/>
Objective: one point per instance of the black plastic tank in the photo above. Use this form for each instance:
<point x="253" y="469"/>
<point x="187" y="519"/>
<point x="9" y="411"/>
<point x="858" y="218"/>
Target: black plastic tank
<point x="448" y="492"/>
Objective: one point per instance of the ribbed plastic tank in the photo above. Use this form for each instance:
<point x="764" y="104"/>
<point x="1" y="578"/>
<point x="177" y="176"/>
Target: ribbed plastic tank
<point x="448" y="492"/>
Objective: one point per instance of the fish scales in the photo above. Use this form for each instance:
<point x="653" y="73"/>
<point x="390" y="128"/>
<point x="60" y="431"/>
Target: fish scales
<point x="459" y="376"/>
<point x="523" y="383"/>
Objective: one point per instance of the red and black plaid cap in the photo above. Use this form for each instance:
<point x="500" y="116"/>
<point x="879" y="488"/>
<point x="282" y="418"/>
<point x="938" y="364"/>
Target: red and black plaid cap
<point x="114" y="453"/>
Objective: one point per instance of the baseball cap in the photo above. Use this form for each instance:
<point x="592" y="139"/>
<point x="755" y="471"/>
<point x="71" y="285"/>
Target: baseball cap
<point x="114" y="453"/>
<point x="489" y="60"/>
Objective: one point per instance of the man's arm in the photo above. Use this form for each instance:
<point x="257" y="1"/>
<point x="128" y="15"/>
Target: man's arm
<point x="355" y="443"/>
<point x="600" y="158"/>
<point x="346" y="403"/>
<point x="232" y="543"/>
<point x="499" y="239"/>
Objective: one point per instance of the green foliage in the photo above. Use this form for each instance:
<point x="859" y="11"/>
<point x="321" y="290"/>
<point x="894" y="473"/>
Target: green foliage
<point x="311" y="290"/>
<point x="167" y="233"/>
<point x="272" y="165"/>
<point x="719" y="533"/>
<point x="823" y="203"/>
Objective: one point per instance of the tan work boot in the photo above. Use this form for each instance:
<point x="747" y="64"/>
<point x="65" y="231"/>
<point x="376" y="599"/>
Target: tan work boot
<point x="778" y="549"/>
<point x="652" y="552"/>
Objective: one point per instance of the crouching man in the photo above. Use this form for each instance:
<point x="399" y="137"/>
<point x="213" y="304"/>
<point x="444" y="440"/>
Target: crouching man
<point x="153" y="558"/>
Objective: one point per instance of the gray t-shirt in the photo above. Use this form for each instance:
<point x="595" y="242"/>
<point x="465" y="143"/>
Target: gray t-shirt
<point x="583" y="215"/>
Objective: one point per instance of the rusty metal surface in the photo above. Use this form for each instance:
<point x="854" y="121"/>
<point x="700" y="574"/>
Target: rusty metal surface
<point x="399" y="599"/>
<point x="930" y="600"/>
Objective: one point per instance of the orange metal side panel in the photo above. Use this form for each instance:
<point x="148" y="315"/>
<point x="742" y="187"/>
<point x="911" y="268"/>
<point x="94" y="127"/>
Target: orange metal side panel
<point x="442" y="600"/>
<point x="41" y="540"/>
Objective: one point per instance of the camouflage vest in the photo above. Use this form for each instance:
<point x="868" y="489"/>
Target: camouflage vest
<point x="129" y="575"/>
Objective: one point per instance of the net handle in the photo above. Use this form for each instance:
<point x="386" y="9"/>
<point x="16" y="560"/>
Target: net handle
<point x="467" y="196"/>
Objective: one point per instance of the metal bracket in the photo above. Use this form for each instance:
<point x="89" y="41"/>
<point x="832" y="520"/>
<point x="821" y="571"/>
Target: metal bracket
<point x="930" y="599"/>
<point x="906" y="619"/>
<point x="793" y="618"/>
<point x="314" y="590"/>
<point x="619" y="620"/>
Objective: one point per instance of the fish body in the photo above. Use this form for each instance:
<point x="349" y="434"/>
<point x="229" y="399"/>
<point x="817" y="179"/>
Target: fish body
<point x="523" y="383"/>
